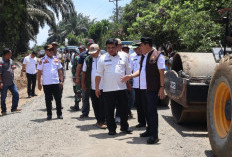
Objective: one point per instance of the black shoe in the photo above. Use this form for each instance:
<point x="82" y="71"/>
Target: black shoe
<point x="140" y="125"/>
<point x="112" y="133"/>
<point x="126" y="131"/>
<point x="34" y="95"/>
<point x="152" y="140"/>
<point x="49" y="117"/>
<point x="145" y="134"/>
<point x="74" y="108"/>
<point x="84" y="116"/>
<point x="60" y="117"/>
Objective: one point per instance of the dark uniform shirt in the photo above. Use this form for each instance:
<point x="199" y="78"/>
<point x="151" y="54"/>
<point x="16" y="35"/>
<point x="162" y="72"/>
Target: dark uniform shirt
<point x="6" y="71"/>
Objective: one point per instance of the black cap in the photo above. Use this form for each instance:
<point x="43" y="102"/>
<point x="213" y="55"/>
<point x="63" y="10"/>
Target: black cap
<point x="6" y="50"/>
<point x="146" y="40"/>
<point x="34" y="53"/>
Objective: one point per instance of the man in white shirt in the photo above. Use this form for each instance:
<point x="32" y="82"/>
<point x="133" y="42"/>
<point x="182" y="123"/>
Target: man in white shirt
<point x="135" y="64"/>
<point x="88" y="83"/>
<point x="151" y="84"/>
<point x="51" y="69"/>
<point x="111" y="67"/>
<point x="30" y="64"/>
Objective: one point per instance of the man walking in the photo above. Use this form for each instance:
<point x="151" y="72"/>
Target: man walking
<point x="51" y="69"/>
<point x="29" y="65"/>
<point x="111" y="67"/>
<point x="151" y="80"/>
<point x="7" y="81"/>
<point x="85" y="94"/>
<point x="88" y="83"/>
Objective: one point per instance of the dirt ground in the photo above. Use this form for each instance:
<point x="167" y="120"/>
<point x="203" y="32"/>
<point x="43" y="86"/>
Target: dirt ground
<point x="29" y="134"/>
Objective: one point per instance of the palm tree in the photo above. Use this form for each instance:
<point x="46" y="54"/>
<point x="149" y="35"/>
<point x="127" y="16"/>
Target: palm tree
<point x="76" y="24"/>
<point x="41" y="12"/>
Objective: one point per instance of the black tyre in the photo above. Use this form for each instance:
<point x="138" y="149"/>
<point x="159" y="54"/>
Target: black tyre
<point x="219" y="109"/>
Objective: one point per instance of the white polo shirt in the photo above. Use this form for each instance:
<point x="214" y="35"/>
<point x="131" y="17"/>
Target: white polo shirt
<point x="49" y="67"/>
<point x="135" y="59"/>
<point x="111" y="69"/>
<point x="93" y="73"/>
<point x="160" y="63"/>
<point x="30" y="64"/>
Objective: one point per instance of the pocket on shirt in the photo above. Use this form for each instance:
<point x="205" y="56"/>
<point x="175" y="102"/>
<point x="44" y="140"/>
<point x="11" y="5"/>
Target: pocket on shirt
<point x="108" y="67"/>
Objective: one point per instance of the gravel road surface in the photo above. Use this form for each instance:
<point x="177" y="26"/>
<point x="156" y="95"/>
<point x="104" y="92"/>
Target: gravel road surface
<point x="29" y="134"/>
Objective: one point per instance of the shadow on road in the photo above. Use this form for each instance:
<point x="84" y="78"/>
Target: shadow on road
<point x="187" y="130"/>
<point x="69" y="97"/>
<point x="87" y="127"/>
<point x="40" y="120"/>
<point x="42" y="109"/>
<point x="209" y="153"/>
<point x="139" y="140"/>
<point x="84" y="119"/>
<point x="105" y="135"/>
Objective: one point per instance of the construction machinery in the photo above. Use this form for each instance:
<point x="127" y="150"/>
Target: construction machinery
<point x="200" y="87"/>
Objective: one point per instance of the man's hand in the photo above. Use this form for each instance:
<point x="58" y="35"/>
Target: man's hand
<point x="161" y="93"/>
<point x="74" y="80"/>
<point x="126" y="78"/>
<point x="61" y="84"/>
<point x="1" y="85"/>
<point x="39" y="86"/>
<point x="13" y="67"/>
<point x="98" y="93"/>
<point x="83" y="87"/>
<point x="129" y="88"/>
<point x="78" y="82"/>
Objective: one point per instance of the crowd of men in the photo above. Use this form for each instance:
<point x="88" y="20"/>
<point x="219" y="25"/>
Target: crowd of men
<point x="114" y="80"/>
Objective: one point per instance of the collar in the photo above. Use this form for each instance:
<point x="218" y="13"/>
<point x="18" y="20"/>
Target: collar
<point x="46" y="57"/>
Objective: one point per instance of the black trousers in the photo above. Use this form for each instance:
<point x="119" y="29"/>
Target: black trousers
<point x="139" y="107"/>
<point x="49" y="91"/>
<point x="149" y="103"/>
<point x="110" y="99"/>
<point x="31" y="82"/>
<point x="98" y="106"/>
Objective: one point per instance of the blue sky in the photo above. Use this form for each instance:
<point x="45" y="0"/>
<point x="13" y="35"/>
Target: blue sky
<point x="95" y="9"/>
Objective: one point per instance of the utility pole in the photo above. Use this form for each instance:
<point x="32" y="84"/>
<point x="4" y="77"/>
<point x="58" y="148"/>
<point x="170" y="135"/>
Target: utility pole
<point x="116" y="4"/>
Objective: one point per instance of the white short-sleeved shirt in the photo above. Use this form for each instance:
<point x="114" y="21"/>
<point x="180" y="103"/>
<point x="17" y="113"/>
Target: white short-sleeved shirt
<point x="160" y="64"/>
<point x="49" y="67"/>
<point x="30" y="64"/>
<point x="111" y="69"/>
<point x="93" y="73"/>
<point x="135" y="59"/>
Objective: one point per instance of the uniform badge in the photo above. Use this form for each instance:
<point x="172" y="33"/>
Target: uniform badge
<point x="56" y="60"/>
<point x="46" y="61"/>
<point x="40" y="62"/>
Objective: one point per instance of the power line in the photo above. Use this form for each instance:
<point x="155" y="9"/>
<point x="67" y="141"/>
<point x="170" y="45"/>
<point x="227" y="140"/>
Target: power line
<point x="116" y="4"/>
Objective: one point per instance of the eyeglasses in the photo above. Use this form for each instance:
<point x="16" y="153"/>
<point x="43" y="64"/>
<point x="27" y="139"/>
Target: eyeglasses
<point x="51" y="50"/>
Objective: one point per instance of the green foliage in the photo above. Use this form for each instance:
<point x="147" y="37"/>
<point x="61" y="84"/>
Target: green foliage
<point x="189" y="25"/>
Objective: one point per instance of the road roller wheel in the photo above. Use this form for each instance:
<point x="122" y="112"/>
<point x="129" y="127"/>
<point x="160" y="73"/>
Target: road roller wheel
<point x="219" y="109"/>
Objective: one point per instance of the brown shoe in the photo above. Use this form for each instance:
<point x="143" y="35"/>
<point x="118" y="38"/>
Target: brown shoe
<point x="4" y="113"/>
<point x="101" y="125"/>
<point x="16" y="110"/>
